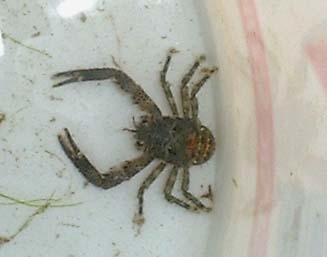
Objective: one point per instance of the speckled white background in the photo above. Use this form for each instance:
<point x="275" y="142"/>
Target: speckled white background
<point x="137" y="34"/>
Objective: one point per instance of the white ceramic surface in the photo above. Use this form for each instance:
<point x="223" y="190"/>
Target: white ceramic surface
<point x="267" y="107"/>
<point x="40" y="38"/>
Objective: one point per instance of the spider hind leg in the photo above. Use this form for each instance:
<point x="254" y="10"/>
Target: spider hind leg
<point x="169" y="188"/>
<point x="188" y="195"/>
<point x="147" y="183"/>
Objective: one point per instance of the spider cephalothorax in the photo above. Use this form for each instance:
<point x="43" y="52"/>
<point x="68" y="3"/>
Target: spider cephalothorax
<point x="179" y="140"/>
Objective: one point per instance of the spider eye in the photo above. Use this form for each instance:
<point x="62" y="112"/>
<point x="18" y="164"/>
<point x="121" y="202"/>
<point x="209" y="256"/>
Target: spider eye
<point x="144" y="119"/>
<point x="139" y="144"/>
<point x="170" y="150"/>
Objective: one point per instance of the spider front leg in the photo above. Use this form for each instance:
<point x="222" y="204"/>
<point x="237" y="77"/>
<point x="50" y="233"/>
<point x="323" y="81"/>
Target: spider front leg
<point x="185" y="95"/>
<point x="119" y="77"/>
<point x="169" y="188"/>
<point x="166" y="85"/>
<point x="188" y="195"/>
<point x="115" y="176"/>
<point x="196" y="88"/>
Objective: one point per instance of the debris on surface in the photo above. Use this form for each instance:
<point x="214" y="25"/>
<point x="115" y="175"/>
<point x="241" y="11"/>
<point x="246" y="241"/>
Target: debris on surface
<point x="83" y="17"/>
<point x="235" y="182"/>
<point x="117" y="253"/>
<point x="4" y="240"/>
<point x="36" y="34"/>
<point x="114" y="61"/>
<point x="54" y="98"/>
<point x="209" y="194"/>
<point x="138" y="221"/>
<point x="2" y="117"/>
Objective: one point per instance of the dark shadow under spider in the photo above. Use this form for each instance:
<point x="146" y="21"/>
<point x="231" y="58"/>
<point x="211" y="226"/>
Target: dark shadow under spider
<point x="180" y="140"/>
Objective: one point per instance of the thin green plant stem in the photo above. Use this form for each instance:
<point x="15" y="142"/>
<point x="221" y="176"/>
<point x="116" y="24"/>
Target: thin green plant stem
<point x="14" y="40"/>
<point x="31" y="203"/>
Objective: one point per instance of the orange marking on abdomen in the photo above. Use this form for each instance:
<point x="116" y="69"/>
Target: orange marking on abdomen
<point x="191" y="144"/>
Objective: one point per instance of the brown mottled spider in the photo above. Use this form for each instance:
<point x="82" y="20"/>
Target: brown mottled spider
<point x="180" y="141"/>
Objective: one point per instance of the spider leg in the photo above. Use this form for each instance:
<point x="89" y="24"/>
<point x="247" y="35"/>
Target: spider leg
<point x="196" y="88"/>
<point x="169" y="188"/>
<point x="119" y="77"/>
<point x="115" y="176"/>
<point x="184" y="89"/>
<point x="166" y="85"/>
<point x="147" y="183"/>
<point x="188" y="195"/>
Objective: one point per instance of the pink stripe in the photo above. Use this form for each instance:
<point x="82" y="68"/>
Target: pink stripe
<point x="317" y="53"/>
<point x="265" y="133"/>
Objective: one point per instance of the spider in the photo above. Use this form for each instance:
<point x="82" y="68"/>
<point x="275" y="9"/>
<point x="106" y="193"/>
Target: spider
<point x="179" y="140"/>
